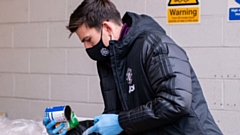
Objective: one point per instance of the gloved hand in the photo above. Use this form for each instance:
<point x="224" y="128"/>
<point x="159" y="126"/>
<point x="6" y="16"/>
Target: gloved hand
<point x="106" y="124"/>
<point x="50" y="126"/>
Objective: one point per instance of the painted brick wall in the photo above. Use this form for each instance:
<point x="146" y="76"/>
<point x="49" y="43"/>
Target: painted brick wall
<point x="41" y="67"/>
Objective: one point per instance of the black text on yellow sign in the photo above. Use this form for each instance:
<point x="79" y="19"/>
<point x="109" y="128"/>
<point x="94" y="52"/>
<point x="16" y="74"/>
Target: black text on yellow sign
<point x="182" y="2"/>
<point x="183" y="15"/>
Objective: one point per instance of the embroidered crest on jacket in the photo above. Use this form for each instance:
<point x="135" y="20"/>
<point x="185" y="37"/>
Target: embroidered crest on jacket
<point x="129" y="79"/>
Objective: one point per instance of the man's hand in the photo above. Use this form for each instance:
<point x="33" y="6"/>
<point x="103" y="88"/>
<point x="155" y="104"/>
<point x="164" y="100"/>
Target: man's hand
<point x="50" y="127"/>
<point x="106" y="124"/>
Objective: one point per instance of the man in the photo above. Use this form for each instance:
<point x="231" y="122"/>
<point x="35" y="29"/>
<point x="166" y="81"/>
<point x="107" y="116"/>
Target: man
<point x="147" y="82"/>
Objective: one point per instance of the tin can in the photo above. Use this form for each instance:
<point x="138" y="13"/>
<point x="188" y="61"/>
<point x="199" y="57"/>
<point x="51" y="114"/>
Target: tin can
<point x="59" y="113"/>
<point x="72" y="123"/>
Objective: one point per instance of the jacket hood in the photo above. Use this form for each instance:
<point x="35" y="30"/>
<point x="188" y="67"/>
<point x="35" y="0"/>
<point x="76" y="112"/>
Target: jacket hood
<point x="138" y="24"/>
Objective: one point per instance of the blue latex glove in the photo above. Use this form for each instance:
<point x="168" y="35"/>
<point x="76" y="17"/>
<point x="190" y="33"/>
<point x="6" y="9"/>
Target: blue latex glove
<point x="106" y="124"/>
<point x="50" y="126"/>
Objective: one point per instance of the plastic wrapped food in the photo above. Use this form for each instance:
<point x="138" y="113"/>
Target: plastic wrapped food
<point x="21" y="127"/>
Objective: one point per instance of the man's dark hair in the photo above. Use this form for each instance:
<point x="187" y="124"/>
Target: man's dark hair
<point x="92" y="13"/>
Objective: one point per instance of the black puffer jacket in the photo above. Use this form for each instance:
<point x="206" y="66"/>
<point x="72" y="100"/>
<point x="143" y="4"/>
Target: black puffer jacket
<point x="152" y="85"/>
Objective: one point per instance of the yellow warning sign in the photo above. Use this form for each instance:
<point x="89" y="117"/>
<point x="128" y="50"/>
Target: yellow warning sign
<point x="182" y="2"/>
<point x="183" y="15"/>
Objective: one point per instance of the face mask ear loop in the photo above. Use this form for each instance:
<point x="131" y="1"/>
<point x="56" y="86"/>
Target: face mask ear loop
<point x="110" y="37"/>
<point x="101" y="34"/>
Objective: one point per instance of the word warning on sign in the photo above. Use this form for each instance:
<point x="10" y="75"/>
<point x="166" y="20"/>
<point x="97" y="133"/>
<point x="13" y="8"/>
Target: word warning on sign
<point x="183" y="15"/>
<point x="183" y="11"/>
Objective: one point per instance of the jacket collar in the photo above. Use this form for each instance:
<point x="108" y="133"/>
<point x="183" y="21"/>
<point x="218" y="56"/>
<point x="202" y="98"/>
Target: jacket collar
<point x="138" y="24"/>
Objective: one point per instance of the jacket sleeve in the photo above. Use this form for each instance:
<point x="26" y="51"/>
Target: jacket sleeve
<point x="168" y="71"/>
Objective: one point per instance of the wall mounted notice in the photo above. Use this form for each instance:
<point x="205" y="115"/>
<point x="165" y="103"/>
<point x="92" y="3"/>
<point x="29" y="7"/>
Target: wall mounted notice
<point x="234" y="10"/>
<point x="183" y="11"/>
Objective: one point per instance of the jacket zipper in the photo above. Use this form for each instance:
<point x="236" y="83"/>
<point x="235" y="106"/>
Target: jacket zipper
<point x="120" y="88"/>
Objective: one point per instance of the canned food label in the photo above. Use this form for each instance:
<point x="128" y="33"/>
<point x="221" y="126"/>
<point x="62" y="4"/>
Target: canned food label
<point x="56" y="113"/>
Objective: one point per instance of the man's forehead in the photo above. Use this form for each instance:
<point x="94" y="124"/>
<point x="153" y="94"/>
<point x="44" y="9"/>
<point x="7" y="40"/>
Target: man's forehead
<point x="83" y="32"/>
<point x="83" y="28"/>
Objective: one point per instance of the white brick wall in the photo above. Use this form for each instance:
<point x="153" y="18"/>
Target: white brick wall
<point x="127" y="5"/>
<point x="5" y="36"/>
<point x="14" y="11"/>
<point x="30" y="35"/>
<point x="231" y="92"/>
<point x="69" y="88"/>
<point x="48" y="10"/>
<point x="41" y="67"/>
<point x="72" y="5"/>
<point x="31" y="86"/>
<point x="213" y="92"/>
<point x="15" y="107"/>
<point x="48" y="61"/>
<point x="14" y="60"/>
<point x="231" y="34"/>
<point x="78" y="58"/>
<point x="217" y="62"/>
<point x="206" y="34"/>
<point x="7" y="85"/>
<point x="228" y="121"/>
<point x="156" y="8"/>
<point x="58" y="36"/>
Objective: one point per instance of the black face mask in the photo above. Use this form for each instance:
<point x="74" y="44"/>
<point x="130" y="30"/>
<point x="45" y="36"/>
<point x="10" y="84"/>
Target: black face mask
<point x="99" y="52"/>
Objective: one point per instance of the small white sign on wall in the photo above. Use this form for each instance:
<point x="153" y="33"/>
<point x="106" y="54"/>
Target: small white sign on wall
<point x="233" y="10"/>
